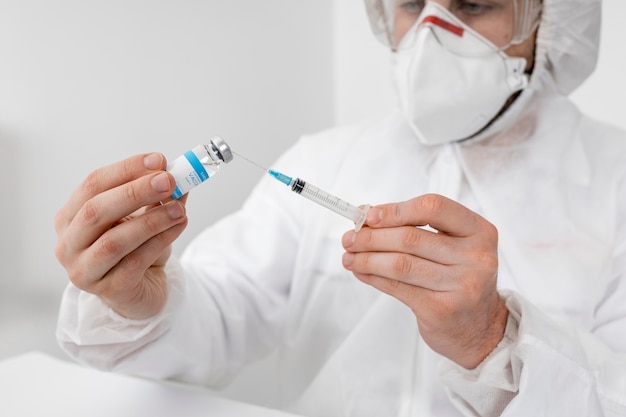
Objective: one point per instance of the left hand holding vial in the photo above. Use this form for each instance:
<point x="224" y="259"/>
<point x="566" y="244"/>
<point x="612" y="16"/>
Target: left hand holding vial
<point x="447" y="277"/>
<point x="114" y="236"/>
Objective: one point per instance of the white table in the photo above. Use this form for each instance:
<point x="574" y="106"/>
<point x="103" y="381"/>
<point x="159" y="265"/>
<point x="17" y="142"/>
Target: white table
<point x="37" y="385"/>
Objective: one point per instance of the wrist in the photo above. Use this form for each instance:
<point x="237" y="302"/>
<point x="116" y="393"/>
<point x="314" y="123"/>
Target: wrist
<point x="487" y="340"/>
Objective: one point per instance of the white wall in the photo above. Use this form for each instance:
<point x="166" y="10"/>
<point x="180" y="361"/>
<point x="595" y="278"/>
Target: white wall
<point x="601" y="96"/>
<point x="86" y="82"/>
<point x="363" y="85"/>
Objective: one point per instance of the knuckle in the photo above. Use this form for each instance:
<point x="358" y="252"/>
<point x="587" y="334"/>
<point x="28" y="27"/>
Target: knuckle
<point x="397" y="211"/>
<point x="106" y="247"/>
<point x="133" y="261"/>
<point x="429" y="272"/>
<point x="161" y="240"/>
<point x="79" y="277"/>
<point x="491" y="231"/>
<point x="392" y="285"/>
<point x="411" y="237"/>
<point x="432" y="203"/>
<point x="402" y="265"/>
<point x="362" y="261"/>
<point x="77" y="273"/>
<point x="486" y="260"/>
<point x="60" y="220"/>
<point x="88" y="213"/>
<point x="150" y="225"/>
<point x="91" y="184"/>
<point x="366" y="237"/>
<point x="471" y="288"/>
<point x="59" y="252"/>
<point x="131" y="193"/>
<point x="128" y="166"/>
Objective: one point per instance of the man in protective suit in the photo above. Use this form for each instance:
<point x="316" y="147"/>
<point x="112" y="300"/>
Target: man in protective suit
<point x="490" y="277"/>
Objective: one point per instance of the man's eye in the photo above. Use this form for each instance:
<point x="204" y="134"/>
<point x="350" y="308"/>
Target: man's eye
<point x="473" y="7"/>
<point x="413" y="7"/>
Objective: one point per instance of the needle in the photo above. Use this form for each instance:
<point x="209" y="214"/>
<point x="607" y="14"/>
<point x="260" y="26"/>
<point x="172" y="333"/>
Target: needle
<point x="252" y="162"/>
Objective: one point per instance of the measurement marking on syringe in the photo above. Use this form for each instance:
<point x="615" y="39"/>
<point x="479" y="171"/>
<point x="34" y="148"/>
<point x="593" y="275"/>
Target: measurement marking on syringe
<point x="339" y="206"/>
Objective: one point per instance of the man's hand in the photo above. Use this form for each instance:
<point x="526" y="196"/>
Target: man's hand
<point x="446" y="276"/>
<point x="114" y="236"/>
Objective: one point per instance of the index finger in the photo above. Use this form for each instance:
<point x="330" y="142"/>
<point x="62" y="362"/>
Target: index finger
<point x="109" y="177"/>
<point x="436" y="211"/>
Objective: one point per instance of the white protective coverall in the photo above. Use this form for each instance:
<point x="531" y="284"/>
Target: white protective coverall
<point x="269" y="277"/>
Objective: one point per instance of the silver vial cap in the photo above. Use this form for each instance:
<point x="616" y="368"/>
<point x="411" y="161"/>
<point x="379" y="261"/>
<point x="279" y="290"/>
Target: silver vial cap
<point x="222" y="149"/>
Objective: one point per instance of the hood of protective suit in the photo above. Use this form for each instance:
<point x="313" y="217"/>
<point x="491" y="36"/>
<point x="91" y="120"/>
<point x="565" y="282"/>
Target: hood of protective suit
<point x="567" y="44"/>
<point x="566" y="53"/>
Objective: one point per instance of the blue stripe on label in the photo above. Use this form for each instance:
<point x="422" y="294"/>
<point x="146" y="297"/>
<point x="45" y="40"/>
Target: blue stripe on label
<point x="177" y="193"/>
<point x="197" y="165"/>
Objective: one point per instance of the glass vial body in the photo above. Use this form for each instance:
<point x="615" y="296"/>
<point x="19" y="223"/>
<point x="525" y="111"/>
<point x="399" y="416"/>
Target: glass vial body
<point x="198" y="165"/>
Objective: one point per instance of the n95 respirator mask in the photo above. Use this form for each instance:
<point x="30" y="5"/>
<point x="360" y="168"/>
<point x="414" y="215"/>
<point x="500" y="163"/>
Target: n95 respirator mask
<point x="451" y="80"/>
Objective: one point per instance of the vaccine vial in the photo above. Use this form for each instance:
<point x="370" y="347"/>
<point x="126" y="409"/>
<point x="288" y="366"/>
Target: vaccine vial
<point x="198" y="165"/>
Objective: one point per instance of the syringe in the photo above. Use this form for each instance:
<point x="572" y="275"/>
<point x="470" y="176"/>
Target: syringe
<point x="301" y="187"/>
<point x="339" y="206"/>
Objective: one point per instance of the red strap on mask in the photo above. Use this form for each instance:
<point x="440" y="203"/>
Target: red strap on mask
<point x="443" y="24"/>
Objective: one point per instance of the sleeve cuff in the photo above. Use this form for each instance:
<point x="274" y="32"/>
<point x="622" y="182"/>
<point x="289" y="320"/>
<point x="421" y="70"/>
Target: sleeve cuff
<point x="488" y="388"/>
<point x="86" y="324"/>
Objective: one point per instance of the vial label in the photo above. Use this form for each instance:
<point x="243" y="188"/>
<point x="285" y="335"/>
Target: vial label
<point x="188" y="172"/>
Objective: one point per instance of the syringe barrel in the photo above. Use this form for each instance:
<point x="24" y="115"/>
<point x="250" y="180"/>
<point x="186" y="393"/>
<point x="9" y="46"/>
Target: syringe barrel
<point x="339" y="206"/>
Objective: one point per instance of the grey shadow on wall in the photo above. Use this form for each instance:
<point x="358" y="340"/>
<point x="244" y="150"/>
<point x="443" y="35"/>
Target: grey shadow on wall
<point x="27" y="314"/>
<point x="9" y="208"/>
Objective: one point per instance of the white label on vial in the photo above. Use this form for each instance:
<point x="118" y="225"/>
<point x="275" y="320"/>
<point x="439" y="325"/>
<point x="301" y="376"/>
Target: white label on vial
<point x="188" y="172"/>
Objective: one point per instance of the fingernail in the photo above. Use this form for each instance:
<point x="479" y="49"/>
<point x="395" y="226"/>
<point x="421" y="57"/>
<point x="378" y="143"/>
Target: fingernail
<point x="374" y="216"/>
<point x="347" y="259"/>
<point x="175" y="210"/>
<point x="348" y="239"/>
<point x="161" y="182"/>
<point x="153" y="161"/>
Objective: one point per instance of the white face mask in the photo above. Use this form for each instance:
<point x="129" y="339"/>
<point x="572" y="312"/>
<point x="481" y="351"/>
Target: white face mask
<point x="451" y="80"/>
